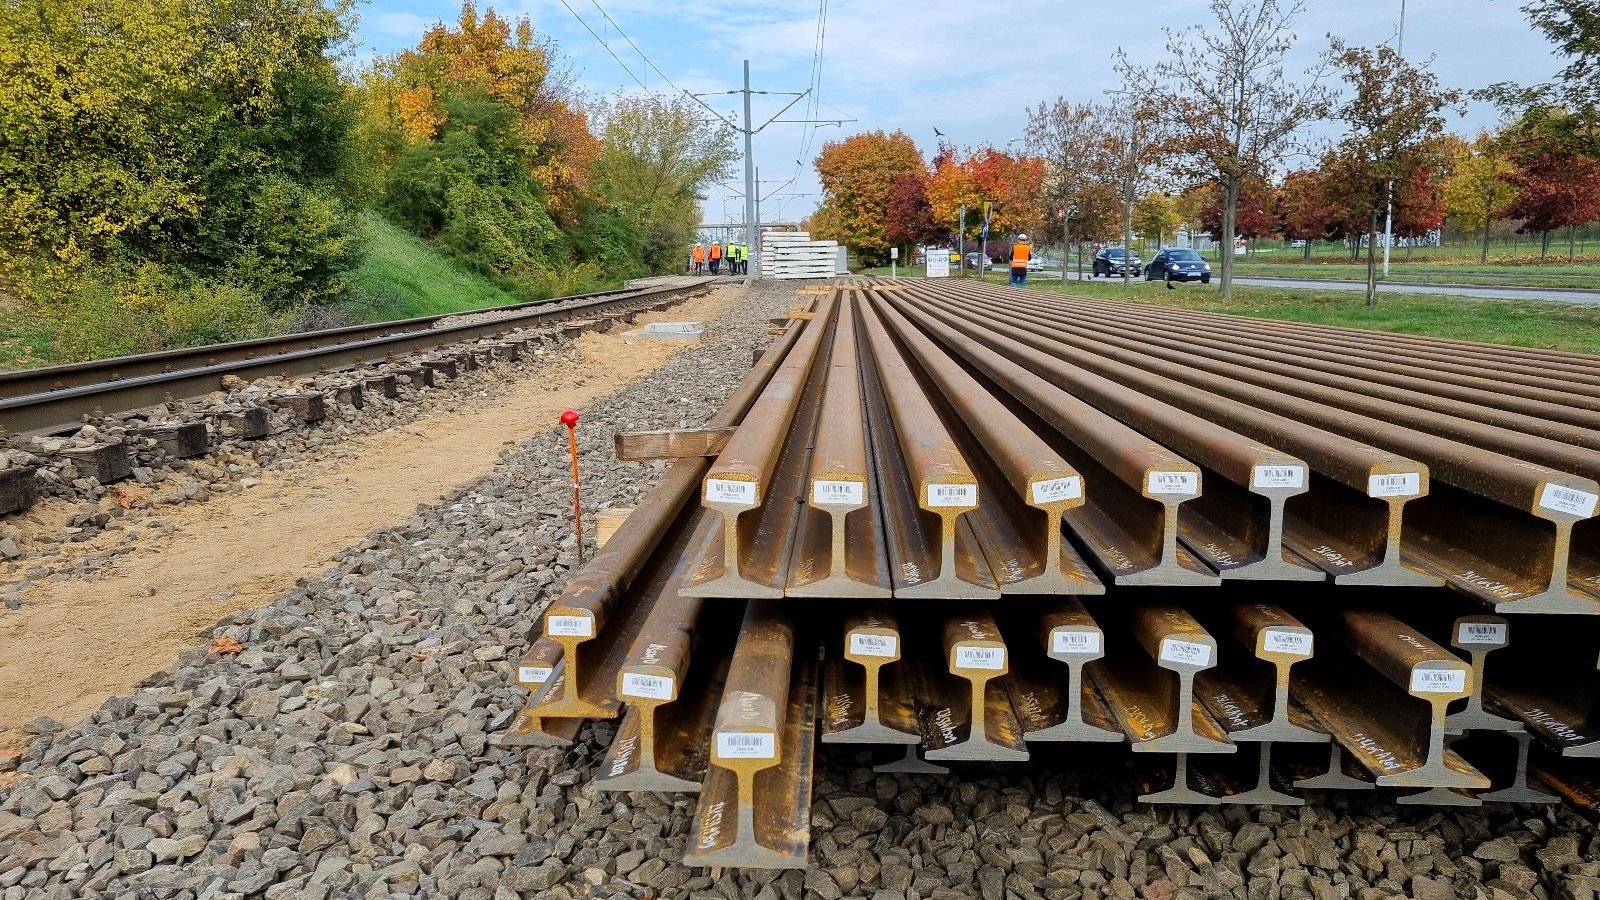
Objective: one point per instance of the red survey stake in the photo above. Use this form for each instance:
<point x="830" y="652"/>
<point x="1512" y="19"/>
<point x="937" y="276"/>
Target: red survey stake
<point x="569" y="418"/>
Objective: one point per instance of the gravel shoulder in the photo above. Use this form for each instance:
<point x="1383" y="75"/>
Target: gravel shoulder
<point x="75" y="641"/>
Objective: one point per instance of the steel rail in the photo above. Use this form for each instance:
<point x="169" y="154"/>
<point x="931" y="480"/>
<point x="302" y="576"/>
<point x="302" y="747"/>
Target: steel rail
<point x="1028" y="559"/>
<point x="1133" y="486"/>
<point x="55" y="410"/>
<point x="866" y="696"/>
<point x="927" y="484"/>
<point x="839" y="545"/>
<point x="1512" y="783"/>
<point x="761" y="752"/>
<point x="964" y="714"/>
<point x="1458" y="538"/>
<point x="1065" y="633"/>
<point x="1238" y="535"/>
<point x="746" y="476"/>
<point x="1443" y="374"/>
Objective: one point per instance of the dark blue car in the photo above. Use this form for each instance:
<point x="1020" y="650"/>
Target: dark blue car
<point x="1178" y="264"/>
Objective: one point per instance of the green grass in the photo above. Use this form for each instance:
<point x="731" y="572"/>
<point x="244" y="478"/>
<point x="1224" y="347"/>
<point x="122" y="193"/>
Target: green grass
<point x="403" y="278"/>
<point x="1558" y="326"/>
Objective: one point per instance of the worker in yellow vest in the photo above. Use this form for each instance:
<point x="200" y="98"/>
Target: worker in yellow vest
<point x="1020" y="252"/>
<point x="741" y="255"/>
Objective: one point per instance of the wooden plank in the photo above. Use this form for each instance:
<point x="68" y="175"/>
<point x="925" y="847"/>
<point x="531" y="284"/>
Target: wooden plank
<point x="674" y="443"/>
<point x="606" y="523"/>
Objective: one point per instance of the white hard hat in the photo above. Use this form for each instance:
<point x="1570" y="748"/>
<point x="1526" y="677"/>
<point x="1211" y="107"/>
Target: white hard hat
<point x="1022" y="237"/>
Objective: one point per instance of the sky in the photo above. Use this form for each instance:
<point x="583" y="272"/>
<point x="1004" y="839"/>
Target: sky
<point x="970" y="70"/>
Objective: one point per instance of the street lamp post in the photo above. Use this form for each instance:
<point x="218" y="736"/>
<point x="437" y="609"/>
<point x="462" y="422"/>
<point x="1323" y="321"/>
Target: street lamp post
<point x="1388" y="215"/>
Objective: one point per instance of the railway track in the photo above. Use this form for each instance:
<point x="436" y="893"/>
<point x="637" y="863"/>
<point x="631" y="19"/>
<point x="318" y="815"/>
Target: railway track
<point x="1269" y="558"/>
<point x="56" y="398"/>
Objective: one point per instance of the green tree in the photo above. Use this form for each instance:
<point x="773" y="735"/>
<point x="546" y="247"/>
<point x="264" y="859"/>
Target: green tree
<point x="1154" y="217"/>
<point x="657" y="157"/>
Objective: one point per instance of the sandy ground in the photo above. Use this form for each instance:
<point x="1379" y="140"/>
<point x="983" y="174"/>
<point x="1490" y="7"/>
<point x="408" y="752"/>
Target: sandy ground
<point x="86" y="640"/>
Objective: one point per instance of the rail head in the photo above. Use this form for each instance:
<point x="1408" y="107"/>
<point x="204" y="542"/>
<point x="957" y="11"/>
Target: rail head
<point x="974" y="647"/>
<point x="1173" y="637"/>
<point x="1273" y="634"/>
<point x="1407" y="658"/>
<point x="872" y="639"/>
<point x="1071" y="634"/>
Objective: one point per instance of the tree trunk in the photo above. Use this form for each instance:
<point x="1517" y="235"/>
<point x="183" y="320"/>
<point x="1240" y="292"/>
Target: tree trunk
<point x="1127" y="231"/>
<point x="1572" y="244"/>
<point x="1308" y="249"/>
<point x="1372" y="257"/>
<point x="1544" y="246"/>
<point x="1410" y="245"/>
<point x="1484" y="256"/>
<point x="1230" y="206"/>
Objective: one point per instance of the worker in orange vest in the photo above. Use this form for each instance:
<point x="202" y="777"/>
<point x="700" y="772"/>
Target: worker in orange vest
<point x="1020" y="252"/>
<point x="716" y="256"/>
<point x="699" y="258"/>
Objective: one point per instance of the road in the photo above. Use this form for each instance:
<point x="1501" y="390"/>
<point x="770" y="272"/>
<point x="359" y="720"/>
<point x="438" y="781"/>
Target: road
<point x="1548" y="295"/>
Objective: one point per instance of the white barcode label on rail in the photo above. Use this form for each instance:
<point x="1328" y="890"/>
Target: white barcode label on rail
<point x="722" y="490"/>
<point x="533" y="674"/>
<point x="874" y="644"/>
<point x="569" y="626"/>
<point x="746" y="746"/>
<point x="1279" y="477"/>
<point x="1064" y="641"/>
<point x="980" y="657"/>
<point x="952" y="495"/>
<point x="653" y="687"/>
<point x="1186" y="653"/>
<point x="1481" y="633"/>
<point x="1058" y="489"/>
<point x="1173" y="483"/>
<point x="1291" y="642"/>
<point x="1403" y="484"/>
<point x="1571" y="501"/>
<point x="838" y="493"/>
<point x="1438" y="681"/>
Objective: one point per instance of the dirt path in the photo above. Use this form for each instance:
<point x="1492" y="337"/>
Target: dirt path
<point x="86" y="640"/>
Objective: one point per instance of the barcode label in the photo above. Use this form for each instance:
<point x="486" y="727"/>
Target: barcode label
<point x="569" y="626"/>
<point x="1481" y="633"/>
<point x="721" y="490"/>
<point x="1279" y="477"/>
<point x="980" y="658"/>
<point x="873" y="644"/>
<point x="1291" y="642"/>
<point x="533" y="674"/>
<point x="1185" y="653"/>
<point x="840" y="493"/>
<point x="1063" y="641"/>
<point x="1438" y="681"/>
<point x="654" y="687"/>
<point x="1173" y="483"/>
<point x="1058" y="489"/>
<point x="1405" y="484"/>
<point x="952" y="495"/>
<point x="746" y="746"/>
<point x="1571" y="501"/>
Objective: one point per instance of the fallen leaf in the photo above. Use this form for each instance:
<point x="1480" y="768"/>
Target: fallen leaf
<point x="225" y="646"/>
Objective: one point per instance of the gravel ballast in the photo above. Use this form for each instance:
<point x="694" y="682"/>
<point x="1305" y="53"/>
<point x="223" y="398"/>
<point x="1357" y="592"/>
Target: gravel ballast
<point x="341" y="743"/>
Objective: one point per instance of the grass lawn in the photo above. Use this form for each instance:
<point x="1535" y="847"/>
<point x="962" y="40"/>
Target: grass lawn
<point x="1558" y="326"/>
<point x="403" y="278"/>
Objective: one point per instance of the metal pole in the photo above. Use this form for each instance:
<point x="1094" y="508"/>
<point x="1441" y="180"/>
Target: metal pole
<point x="961" y="240"/>
<point x="758" y="214"/>
<point x="750" y="198"/>
<point x="1388" y="216"/>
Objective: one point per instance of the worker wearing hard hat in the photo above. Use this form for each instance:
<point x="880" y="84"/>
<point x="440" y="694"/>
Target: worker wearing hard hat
<point x="699" y="258"/>
<point x="715" y="256"/>
<point x="1020" y="251"/>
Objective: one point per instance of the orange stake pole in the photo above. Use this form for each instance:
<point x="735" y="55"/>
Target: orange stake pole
<point x="569" y="418"/>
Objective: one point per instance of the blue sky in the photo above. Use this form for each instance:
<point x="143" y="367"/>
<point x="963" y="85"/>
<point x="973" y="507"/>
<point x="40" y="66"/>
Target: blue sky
<point x="969" y="69"/>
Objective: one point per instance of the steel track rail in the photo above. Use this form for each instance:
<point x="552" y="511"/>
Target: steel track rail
<point x="42" y="401"/>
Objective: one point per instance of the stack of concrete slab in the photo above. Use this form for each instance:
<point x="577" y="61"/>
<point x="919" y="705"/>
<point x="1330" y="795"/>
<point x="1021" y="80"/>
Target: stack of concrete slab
<point x="793" y="254"/>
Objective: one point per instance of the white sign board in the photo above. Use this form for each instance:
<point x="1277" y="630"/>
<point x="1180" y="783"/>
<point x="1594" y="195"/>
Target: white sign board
<point x="938" y="263"/>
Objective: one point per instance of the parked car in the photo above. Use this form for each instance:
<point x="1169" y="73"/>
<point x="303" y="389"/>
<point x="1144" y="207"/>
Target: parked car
<point x="1115" y="261"/>
<point x="1178" y="264"/>
<point x="973" y="258"/>
<point x="1036" y="264"/>
<point x="1298" y="244"/>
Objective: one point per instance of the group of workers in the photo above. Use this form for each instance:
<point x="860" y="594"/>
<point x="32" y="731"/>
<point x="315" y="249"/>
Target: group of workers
<point x="737" y="257"/>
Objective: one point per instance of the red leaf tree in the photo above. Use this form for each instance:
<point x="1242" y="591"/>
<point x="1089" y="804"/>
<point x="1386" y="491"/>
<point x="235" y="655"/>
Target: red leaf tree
<point x="1555" y="190"/>
<point x="1254" y="217"/>
<point x="911" y="218"/>
<point x="1303" y="207"/>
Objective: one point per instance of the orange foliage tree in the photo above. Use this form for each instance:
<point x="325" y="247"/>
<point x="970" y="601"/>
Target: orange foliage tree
<point x="1013" y="184"/>
<point x="857" y="174"/>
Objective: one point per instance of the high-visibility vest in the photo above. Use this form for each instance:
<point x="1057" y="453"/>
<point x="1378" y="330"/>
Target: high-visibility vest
<point x="699" y="253"/>
<point x="716" y="251"/>
<point x="741" y="252"/>
<point x="1019" y="255"/>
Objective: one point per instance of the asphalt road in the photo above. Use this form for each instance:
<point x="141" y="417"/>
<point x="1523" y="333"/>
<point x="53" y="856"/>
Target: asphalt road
<point x="1558" y="295"/>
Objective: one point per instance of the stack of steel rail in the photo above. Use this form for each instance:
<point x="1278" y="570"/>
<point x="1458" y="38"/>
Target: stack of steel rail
<point x="959" y="521"/>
